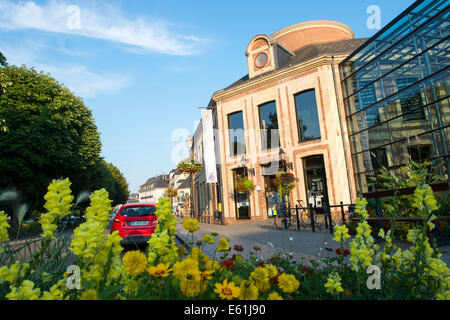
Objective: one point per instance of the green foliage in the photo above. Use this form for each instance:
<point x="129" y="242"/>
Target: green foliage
<point x="413" y="174"/>
<point x="243" y="184"/>
<point x="189" y="166"/>
<point x="3" y="61"/>
<point x="50" y="133"/>
<point x="103" y="175"/>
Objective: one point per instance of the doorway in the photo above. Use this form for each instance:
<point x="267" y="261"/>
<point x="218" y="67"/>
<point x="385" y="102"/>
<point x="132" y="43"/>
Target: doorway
<point x="316" y="181"/>
<point x="242" y="199"/>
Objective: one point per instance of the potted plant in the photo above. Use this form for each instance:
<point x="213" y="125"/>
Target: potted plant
<point x="189" y="166"/>
<point x="284" y="182"/>
<point x="244" y="185"/>
<point x="171" y="192"/>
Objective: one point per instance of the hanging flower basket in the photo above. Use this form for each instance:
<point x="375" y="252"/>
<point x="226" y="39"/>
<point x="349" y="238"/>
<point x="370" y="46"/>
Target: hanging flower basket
<point x="171" y="192"/>
<point x="284" y="181"/>
<point x="244" y="185"/>
<point x="189" y="166"/>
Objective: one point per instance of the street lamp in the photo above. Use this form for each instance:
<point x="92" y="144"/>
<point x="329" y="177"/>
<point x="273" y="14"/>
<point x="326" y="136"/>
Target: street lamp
<point x="247" y="170"/>
<point x="284" y="164"/>
<point x="189" y="144"/>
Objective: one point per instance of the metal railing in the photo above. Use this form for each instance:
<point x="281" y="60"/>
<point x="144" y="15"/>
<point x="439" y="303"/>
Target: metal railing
<point x="313" y="218"/>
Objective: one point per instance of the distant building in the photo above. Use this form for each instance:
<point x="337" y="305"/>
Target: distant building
<point x="154" y="188"/>
<point x="182" y="183"/>
<point x="134" y="197"/>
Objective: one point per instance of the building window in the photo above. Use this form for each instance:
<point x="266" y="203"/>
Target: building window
<point x="236" y="133"/>
<point x="268" y="120"/>
<point x="307" y="116"/>
<point x="411" y="104"/>
<point x="420" y="153"/>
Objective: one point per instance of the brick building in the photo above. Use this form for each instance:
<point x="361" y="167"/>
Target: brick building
<point x="289" y="106"/>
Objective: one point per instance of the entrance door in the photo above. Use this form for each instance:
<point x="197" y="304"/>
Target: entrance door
<point x="272" y="197"/>
<point x="315" y="179"/>
<point x="242" y="199"/>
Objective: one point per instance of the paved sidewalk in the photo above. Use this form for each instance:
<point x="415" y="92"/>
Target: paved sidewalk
<point x="303" y="244"/>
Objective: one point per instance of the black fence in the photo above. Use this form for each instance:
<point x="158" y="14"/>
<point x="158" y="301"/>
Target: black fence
<point x="314" y="218"/>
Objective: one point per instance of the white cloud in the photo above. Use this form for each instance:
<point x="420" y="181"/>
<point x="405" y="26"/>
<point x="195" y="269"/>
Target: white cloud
<point x="85" y="83"/>
<point x="112" y="25"/>
<point x="78" y="78"/>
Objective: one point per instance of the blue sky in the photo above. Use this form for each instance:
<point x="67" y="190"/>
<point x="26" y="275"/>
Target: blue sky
<point x="144" y="67"/>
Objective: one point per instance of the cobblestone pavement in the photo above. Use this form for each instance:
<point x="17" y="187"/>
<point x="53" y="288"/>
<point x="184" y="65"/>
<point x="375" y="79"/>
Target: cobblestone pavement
<point x="303" y="244"/>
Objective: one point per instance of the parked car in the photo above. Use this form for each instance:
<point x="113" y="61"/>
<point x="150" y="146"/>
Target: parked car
<point x="70" y="221"/>
<point x="135" y="222"/>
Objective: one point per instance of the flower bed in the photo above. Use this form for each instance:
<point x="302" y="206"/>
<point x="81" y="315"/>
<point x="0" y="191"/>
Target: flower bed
<point x="166" y="271"/>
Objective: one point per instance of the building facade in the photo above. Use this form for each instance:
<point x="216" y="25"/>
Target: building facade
<point x="287" y="110"/>
<point x="181" y="202"/>
<point x="154" y="188"/>
<point x="205" y="194"/>
<point x="396" y="93"/>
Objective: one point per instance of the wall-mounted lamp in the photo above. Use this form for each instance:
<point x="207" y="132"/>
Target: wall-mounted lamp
<point x="247" y="170"/>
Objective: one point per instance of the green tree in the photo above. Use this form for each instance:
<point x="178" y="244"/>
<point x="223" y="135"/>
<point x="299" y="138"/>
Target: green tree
<point x="120" y="183"/>
<point x="3" y="61"/>
<point x="50" y="134"/>
<point x="102" y="174"/>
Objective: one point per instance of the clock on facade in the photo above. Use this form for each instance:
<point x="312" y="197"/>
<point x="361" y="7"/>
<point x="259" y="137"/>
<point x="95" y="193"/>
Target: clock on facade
<point x="261" y="60"/>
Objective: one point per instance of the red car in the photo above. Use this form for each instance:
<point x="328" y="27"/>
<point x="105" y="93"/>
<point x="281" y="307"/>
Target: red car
<point x="136" y="222"/>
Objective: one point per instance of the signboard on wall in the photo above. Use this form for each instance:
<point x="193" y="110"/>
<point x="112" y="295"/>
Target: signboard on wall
<point x="208" y="147"/>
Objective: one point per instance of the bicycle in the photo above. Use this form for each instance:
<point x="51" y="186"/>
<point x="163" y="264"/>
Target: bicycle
<point x="284" y="220"/>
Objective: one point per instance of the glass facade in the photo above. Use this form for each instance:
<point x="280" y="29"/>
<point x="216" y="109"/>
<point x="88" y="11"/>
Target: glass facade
<point x="396" y="92"/>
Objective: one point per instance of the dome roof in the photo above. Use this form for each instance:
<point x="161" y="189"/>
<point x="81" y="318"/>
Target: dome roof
<point x="302" y="34"/>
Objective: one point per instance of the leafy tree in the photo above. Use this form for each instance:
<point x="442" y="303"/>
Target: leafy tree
<point x="50" y="134"/>
<point x="121" y="185"/>
<point x="103" y="175"/>
<point x="3" y="61"/>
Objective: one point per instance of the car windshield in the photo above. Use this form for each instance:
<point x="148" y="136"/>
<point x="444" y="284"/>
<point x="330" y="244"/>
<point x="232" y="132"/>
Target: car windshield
<point x="138" y="211"/>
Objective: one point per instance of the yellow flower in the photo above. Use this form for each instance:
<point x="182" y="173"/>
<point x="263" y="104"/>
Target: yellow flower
<point x="161" y="270"/>
<point x="208" y="238"/>
<point x="15" y="271"/>
<point x="340" y="233"/>
<point x="227" y="290"/>
<point x="333" y="283"/>
<point x="272" y="270"/>
<point x="191" y="284"/>
<point x="188" y="265"/>
<point x="191" y="224"/>
<point x="100" y="207"/>
<point x="260" y="276"/>
<point x="223" y="245"/>
<point x="58" y="203"/>
<point x="25" y="291"/>
<point x="248" y="291"/>
<point x="288" y="283"/>
<point x="274" y="296"/>
<point x="134" y="262"/>
<point x="55" y="292"/>
<point x="4" y="225"/>
<point x="131" y="286"/>
<point x="90" y="294"/>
